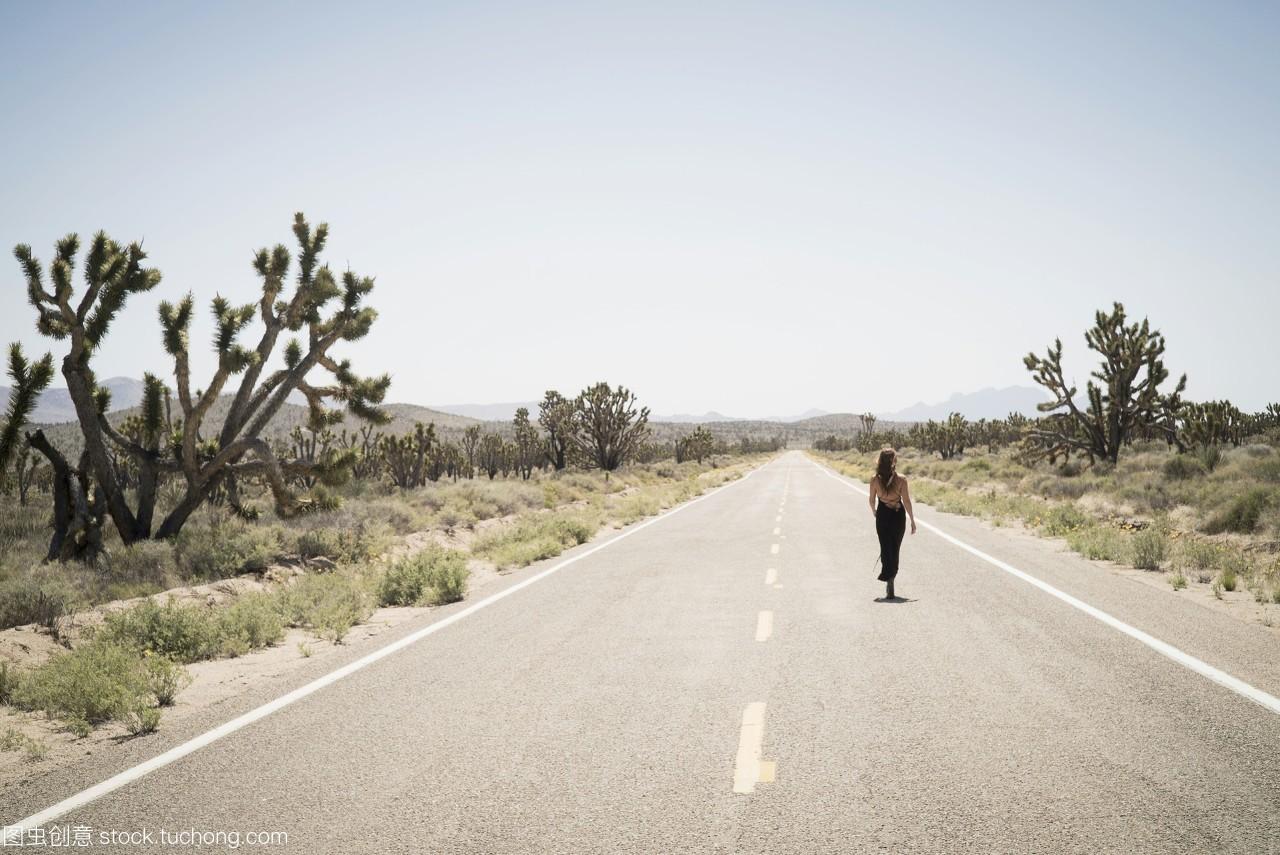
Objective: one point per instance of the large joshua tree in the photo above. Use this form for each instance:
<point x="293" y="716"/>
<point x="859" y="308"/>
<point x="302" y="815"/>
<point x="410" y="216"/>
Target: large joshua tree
<point x="608" y="429"/>
<point x="555" y="414"/>
<point x="322" y="309"/>
<point x="1125" y="401"/>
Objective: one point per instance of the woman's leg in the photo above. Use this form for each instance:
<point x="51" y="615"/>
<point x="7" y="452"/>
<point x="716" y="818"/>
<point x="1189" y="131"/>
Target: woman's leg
<point x="888" y="554"/>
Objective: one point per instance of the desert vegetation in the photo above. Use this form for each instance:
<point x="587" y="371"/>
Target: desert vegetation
<point x="1132" y="474"/>
<point x="200" y="485"/>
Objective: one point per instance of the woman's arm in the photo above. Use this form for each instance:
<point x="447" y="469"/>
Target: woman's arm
<point x="871" y="496"/>
<point x="906" y="503"/>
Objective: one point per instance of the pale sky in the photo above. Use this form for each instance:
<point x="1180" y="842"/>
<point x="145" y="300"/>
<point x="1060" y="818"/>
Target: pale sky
<point x="755" y="208"/>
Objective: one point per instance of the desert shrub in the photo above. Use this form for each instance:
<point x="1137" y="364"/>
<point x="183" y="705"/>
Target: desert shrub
<point x="13" y="740"/>
<point x="1099" y="542"/>
<point x="184" y="633"/>
<point x="45" y="602"/>
<point x="346" y="545"/>
<point x="1060" y="519"/>
<point x="543" y="536"/>
<point x="9" y="678"/>
<point x="1181" y="467"/>
<point x="455" y="514"/>
<point x="1197" y="554"/>
<point x="141" y="718"/>
<point x="165" y="678"/>
<point x="147" y="561"/>
<point x="1242" y="515"/>
<point x="1268" y="470"/>
<point x="225" y="549"/>
<point x="1149" y="548"/>
<point x="1178" y="581"/>
<point x="94" y="683"/>
<point x="433" y="576"/>
<point x="1209" y="457"/>
<point x="328" y="604"/>
<point x="252" y="622"/>
<point x="636" y="507"/>
<point x="1228" y="579"/>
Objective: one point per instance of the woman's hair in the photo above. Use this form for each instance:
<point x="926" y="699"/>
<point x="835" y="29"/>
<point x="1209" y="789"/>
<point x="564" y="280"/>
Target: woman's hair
<point x="885" y="465"/>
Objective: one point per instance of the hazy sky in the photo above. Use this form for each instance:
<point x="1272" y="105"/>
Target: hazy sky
<point x="753" y="208"/>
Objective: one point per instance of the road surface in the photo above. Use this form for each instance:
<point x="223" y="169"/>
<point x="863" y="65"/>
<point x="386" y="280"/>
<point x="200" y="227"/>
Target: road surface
<point x="725" y="680"/>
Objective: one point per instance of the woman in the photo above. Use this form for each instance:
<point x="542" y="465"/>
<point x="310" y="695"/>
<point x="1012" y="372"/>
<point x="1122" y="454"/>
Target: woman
<point x="891" y="512"/>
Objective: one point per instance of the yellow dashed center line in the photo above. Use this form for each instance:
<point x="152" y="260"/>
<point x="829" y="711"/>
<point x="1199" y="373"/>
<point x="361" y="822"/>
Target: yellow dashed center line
<point x="771" y="575"/>
<point x="773" y="550"/>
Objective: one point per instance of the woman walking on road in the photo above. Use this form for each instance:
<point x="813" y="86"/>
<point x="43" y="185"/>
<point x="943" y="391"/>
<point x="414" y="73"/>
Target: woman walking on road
<point x="890" y="501"/>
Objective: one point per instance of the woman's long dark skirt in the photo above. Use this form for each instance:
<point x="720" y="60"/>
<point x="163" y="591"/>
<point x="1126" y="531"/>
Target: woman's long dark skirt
<point x="891" y="525"/>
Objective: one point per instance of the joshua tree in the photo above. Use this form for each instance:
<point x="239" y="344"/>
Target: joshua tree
<point x="607" y="426"/>
<point x="1204" y="425"/>
<point x="946" y="439"/>
<point x="490" y="454"/>
<point x="528" y="445"/>
<point x="205" y="464"/>
<point x="555" y="414"/>
<point x="698" y="445"/>
<point x="868" y="422"/>
<point x="470" y="445"/>
<point x="1125" y="400"/>
<point x="405" y="457"/>
<point x="29" y="380"/>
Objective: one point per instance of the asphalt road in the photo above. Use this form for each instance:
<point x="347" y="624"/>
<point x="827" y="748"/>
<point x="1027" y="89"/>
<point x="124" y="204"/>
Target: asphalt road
<point x="616" y="706"/>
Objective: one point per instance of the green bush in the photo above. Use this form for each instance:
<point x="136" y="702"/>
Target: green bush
<point x="432" y="577"/>
<point x="1242" y="515"/>
<point x="92" y="684"/>
<point x="165" y="678"/>
<point x="141" y="718"/>
<point x="184" y="633"/>
<point x="329" y="604"/>
<point x="225" y="549"/>
<point x="253" y="621"/>
<point x="346" y="545"/>
<point x="1228" y="579"/>
<point x="1099" y="542"/>
<point x="1061" y="519"/>
<point x="1149" y="548"/>
<point x="544" y="536"/>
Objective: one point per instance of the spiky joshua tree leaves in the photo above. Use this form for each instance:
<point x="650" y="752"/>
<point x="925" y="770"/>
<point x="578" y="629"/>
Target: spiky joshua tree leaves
<point x="608" y="429"/>
<point x="320" y="310"/>
<point x="1126" y="399"/>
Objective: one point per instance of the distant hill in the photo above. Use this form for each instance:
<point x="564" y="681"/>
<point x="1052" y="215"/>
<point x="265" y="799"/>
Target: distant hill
<point x="487" y="412"/>
<point x="690" y="419"/>
<point x="989" y="403"/>
<point x="55" y="404"/>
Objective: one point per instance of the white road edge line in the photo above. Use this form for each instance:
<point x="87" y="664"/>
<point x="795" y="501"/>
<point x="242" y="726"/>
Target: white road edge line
<point x="1204" y="669"/>
<point x="17" y="830"/>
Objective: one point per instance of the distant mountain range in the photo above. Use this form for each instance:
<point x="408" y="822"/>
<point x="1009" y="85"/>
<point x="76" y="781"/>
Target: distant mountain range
<point x="989" y="403"/>
<point x="55" y="407"/>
